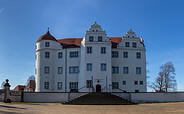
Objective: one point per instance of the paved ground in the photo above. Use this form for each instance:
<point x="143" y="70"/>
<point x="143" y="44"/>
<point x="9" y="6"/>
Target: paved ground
<point x="57" y="108"/>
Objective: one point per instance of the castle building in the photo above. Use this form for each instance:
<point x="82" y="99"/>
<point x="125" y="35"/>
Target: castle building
<point x="95" y="63"/>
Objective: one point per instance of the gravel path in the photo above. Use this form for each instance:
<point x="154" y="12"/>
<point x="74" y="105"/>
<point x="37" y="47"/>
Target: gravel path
<point x="57" y="108"/>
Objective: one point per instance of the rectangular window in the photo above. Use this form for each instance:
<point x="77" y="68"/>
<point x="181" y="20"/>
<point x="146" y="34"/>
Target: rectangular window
<point x="89" y="83"/>
<point x="91" y="38"/>
<point x="138" y="70"/>
<point x="60" y="70"/>
<point x="135" y="82"/>
<point x="103" y="66"/>
<point x="125" y="70"/>
<point x="47" y="70"/>
<point x="137" y="91"/>
<point x="89" y="66"/>
<point x="46" y="85"/>
<point x="60" y="55"/>
<point x="99" y="38"/>
<point x="141" y="82"/>
<point x="103" y="50"/>
<point x="89" y="49"/>
<point x="115" y="70"/>
<point x="59" y="85"/>
<point x="47" y="54"/>
<point x="115" y="85"/>
<point x="74" y="54"/>
<point x="73" y="69"/>
<point x="138" y="54"/>
<point x="127" y="44"/>
<point x="115" y="54"/>
<point x="47" y="44"/>
<point x="124" y="82"/>
<point x="134" y="44"/>
<point x="73" y="85"/>
<point x="125" y="54"/>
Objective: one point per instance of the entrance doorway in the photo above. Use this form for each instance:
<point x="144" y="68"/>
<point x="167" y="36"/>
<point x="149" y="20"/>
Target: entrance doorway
<point x="98" y="88"/>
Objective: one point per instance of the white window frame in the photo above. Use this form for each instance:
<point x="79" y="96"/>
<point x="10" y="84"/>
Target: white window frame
<point x="89" y="83"/>
<point x="91" y="38"/>
<point x="47" y="54"/>
<point x="73" y="85"/>
<point x="125" y="54"/>
<point x="89" y="50"/>
<point x="138" y="55"/>
<point x="59" y="85"/>
<point x="115" y="70"/>
<point x="73" y="69"/>
<point x="47" y="44"/>
<point x="60" y="70"/>
<point x="115" y="85"/>
<point x="115" y="54"/>
<point x="89" y="67"/>
<point x="103" y="66"/>
<point x="74" y="54"/>
<point x="103" y="50"/>
<point x="46" y="85"/>
<point x="47" y="70"/>
<point x="60" y="55"/>
<point x="125" y="71"/>
<point x="138" y="70"/>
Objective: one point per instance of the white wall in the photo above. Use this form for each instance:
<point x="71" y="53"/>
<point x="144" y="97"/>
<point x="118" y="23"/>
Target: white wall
<point x="51" y="97"/>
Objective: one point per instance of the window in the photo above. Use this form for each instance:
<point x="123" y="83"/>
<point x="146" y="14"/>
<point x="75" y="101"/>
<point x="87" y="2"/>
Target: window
<point x="74" y="54"/>
<point x="137" y="91"/>
<point x="59" y="85"/>
<point x="141" y="82"/>
<point x="91" y="38"/>
<point x="115" y="85"/>
<point x="73" y="85"/>
<point x="47" y="44"/>
<point x="103" y="66"/>
<point x="47" y="54"/>
<point x="124" y="82"/>
<point x="46" y="85"/>
<point x="135" y="82"/>
<point x="138" y="54"/>
<point x="125" y="70"/>
<point x="60" y="54"/>
<point x="46" y="70"/>
<point x="103" y="50"/>
<point x="89" y="83"/>
<point x="125" y="54"/>
<point x="99" y="38"/>
<point x="60" y="70"/>
<point x="115" y="70"/>
<point x="73" y="69"/>
<point x="138" y="70"/>
<point x="89" y="66"/>
<point x="89" y="49"/>
<point x="134" y="44"/>
<point x="115" y="54"/>
<point x="132" y="36"/>
<point x="127" y="44"/>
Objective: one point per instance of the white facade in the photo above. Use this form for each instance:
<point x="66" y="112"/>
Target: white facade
<point x="94" y="63"/>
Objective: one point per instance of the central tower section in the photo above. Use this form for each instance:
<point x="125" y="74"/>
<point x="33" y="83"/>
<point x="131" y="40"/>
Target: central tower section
<point x="95" y="64"/>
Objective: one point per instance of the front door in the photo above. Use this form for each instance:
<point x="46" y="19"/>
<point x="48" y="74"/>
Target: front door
<point x="98" y="88"/>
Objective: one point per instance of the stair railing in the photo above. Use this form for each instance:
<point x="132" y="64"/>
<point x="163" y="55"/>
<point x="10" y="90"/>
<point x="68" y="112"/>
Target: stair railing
<point x="77" y="90"/>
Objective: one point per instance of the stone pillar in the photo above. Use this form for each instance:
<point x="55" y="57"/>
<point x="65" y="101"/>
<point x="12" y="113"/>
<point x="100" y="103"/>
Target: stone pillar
<point x="7" y="92"/>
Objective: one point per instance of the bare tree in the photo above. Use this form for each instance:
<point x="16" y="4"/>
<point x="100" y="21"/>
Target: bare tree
<point x="2" y="84"/>
<point x="166" y="79"/>
<point x="30" y="78"/>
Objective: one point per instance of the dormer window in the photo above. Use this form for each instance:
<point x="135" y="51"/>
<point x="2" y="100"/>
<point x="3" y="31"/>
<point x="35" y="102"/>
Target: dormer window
<point x="99" y="38"/>
<point x="91" y="38"/>
<point x="47" y="44"/>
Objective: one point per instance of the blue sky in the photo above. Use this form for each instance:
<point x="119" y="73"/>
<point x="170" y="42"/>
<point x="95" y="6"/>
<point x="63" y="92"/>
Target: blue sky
<point x="22" y="22"/>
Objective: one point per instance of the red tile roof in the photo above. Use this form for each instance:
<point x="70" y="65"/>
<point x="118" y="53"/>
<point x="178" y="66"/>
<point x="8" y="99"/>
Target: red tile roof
<point x="47" y="36"/>
<point x="76" y="42"/>
<point x="70" y="42"/>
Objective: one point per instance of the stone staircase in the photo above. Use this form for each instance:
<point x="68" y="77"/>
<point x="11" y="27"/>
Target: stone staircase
<point x="99" y="99"/>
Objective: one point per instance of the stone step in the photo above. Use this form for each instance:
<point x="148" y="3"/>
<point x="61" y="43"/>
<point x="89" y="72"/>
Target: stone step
<point x="99" y="99"/>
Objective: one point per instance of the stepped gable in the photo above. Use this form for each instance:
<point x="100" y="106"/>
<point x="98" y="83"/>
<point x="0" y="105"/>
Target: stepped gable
<point x="99" y="99"/>
<point x="47" y="36"/>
